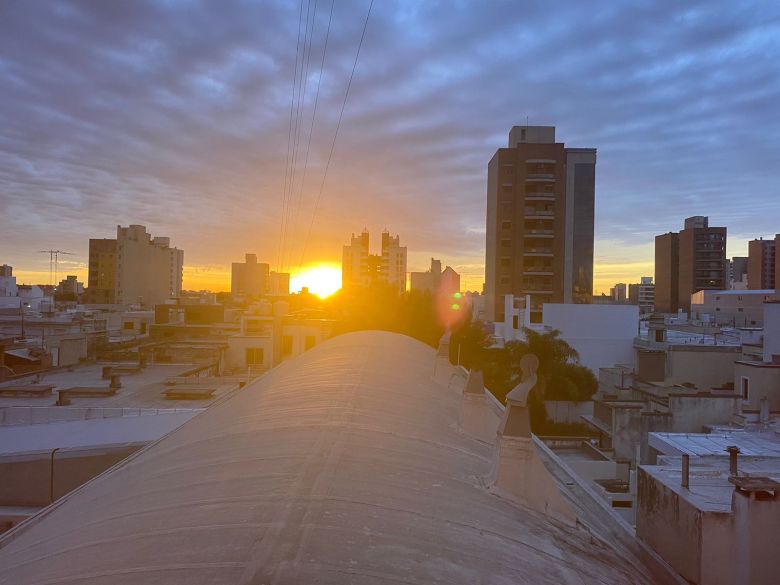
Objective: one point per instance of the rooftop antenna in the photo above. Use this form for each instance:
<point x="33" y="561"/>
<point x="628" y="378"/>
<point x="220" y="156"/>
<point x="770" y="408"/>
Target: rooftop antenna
<point x="526" y="121"/>
<point x="53" y="259"/>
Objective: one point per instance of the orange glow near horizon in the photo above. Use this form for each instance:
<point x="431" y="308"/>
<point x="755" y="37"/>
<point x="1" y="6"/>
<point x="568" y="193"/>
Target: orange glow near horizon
<point x="322" y="279"/>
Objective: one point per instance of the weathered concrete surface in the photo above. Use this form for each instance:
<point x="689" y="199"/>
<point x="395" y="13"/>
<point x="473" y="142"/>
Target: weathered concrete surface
<point x="345" y="465"/>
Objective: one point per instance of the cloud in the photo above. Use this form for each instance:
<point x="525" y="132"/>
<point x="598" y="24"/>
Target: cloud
<point x="175" y="114"/>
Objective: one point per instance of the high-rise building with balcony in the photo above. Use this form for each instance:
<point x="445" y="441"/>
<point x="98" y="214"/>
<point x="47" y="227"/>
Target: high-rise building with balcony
<point x="763" y="263"/>
<point x="540" y="212"/>
<point x="360" y="269"/>
<point x="689" y="261"/>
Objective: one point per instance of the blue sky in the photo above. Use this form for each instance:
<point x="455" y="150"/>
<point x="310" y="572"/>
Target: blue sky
<point x="176" y="115"/>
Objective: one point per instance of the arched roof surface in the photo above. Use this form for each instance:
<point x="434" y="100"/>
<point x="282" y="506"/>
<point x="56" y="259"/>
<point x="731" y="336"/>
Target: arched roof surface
<point x="344" y="465"/>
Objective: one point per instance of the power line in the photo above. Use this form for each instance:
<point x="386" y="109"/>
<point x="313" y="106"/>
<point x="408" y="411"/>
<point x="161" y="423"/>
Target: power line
<point x="308" y="37"/>
<point x="289" y="141"/>
<point x="313" y="117"/>
<point x="336" y="133"/>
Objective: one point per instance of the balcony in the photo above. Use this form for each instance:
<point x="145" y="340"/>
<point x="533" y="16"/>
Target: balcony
<point x="531" y="213"/>
<point x="538" y="233"/>
<point x="540" y="196"/>
<point x="537" y="251"/>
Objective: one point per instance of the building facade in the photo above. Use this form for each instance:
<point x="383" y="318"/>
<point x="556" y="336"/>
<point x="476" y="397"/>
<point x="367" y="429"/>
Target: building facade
<point x="250" y="277"/>
<point x="436" y="280"/>
<point x="540" y="212"/>
<point x="763" y="263"/>
<point x="643" y="294"/>
<point x="361" y="269"/>
<point x="135" y="268"/>
<point x="689" y="261"/>
<point x="738" y="267"/>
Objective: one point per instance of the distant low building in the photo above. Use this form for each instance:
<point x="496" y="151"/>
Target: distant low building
<point x="435" y="280"/>
<point x="250" y="277"/>
<point x="738" y="308"/>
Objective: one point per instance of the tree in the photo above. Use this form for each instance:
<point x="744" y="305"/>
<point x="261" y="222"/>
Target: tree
<point x="468" y="345"/>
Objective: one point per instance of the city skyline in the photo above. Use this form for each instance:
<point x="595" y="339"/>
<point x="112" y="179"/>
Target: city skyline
<point x="112" y="117"/>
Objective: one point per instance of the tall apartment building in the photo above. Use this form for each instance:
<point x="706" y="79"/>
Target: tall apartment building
<point x="250" y="277"/>
<point x="689" y="261"/>
<point x="619" y="292"/>
<point x="361" y="269"/>
<point x="279" y="283"/>
<point x="737" y="272"/>
<point x="540" y="212"/>
<point x="763" y="263"/>
<point x="643" y="294"/>
<point x="133" y="268"/>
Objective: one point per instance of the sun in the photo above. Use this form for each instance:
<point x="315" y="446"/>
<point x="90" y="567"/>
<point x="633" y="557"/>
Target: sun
<point x="322" y="280"/>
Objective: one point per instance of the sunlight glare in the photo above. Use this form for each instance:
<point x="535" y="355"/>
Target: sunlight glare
<point x="322" y="280"/>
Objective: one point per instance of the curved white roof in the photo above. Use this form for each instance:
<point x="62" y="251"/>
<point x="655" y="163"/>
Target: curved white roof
<point x="344" y="465"/>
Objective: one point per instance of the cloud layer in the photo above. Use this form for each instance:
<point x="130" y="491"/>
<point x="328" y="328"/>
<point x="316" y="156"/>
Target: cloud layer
<point x="175" y="114"/>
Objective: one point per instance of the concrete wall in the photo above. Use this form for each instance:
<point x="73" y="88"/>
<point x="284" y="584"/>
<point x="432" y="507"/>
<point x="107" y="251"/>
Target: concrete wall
<point x="763" y="382"/>
<point x="565" y="411"/>
<point x="26" y="479"/>
<point x="670" y="525"/>
<point x="706" y="367"/>
<point x="602" y="334"/>
<point x="690" y="412"/>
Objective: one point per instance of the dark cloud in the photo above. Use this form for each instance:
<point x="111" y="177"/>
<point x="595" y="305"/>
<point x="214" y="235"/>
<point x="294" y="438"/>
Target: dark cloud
<point x="175" y="114"/>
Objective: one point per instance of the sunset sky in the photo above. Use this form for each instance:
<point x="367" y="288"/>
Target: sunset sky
<point x="175" y="115"/>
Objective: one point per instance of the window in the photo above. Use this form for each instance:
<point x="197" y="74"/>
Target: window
<point x="506" y="225"/>
<point x="506" y="262"/>
<point x="128" y="325"/>
<point x="515" y="322"/>
<point x="503" y="280"/>
<point x="254" y="356"/>
<point x="745" y="388"/>
<point x="310" y="341"/>
<point x="506" y="243"/>
<point x="287" y="344"/>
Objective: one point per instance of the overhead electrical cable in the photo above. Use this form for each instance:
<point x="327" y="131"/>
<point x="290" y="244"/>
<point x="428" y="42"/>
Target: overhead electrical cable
<point x="311" y="125"/>
<point x="336" y="134"/>
<point x="289" y="142"/>
<point x="304" y="83"/>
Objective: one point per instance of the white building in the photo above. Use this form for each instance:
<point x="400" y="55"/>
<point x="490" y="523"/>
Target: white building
<point x="603" y="335"/>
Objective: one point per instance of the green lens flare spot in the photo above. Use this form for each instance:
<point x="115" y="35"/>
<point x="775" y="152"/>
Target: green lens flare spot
<point x="455" y="307"/>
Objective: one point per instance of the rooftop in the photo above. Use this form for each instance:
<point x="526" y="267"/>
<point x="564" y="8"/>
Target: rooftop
<point x="344" y="465"/>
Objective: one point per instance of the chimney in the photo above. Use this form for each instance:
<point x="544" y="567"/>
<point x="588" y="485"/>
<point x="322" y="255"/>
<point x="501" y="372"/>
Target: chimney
<point x="733" y="451"/>
<point x="686" y="461"/>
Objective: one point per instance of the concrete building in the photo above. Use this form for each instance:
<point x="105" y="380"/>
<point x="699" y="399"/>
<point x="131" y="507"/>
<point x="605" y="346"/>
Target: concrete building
<point x="70" y="287"/>
<point x="737" y="308"/>
<point x="643" y="295"/>
<point x="361" y="269"/>
<point x="435" y="280"/>
<point x="757" y="378"/>
<point x="279" y="284"/>
<point x="737" y="272"/>
<point x="7" y="282"/>
<point x="540" y="213"/>
<point x="135" y="268"/>
<point x="712" y="515"/>
<point x="250" y="277"/>
<point x="619" y="293"/>
<point x="763" y="263"/>
<point x="689" y="261"/>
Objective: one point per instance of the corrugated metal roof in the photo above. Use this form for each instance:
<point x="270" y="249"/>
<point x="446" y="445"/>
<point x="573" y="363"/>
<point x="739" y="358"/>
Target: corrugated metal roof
<point x="344" y="465"/>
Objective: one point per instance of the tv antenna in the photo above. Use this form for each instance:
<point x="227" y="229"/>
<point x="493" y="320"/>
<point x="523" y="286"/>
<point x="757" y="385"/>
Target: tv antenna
<point x="53" y="260"/>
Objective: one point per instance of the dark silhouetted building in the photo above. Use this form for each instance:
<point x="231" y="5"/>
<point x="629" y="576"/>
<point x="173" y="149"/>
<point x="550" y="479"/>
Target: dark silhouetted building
<point x="687" y="262"/>
<point x="540" y="212"/>
<point x="250" y="277"/>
